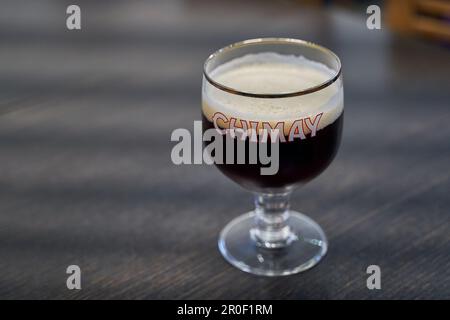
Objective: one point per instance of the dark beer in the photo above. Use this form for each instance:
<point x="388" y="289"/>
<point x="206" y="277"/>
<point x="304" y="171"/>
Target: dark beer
<point x="301" y="158"/>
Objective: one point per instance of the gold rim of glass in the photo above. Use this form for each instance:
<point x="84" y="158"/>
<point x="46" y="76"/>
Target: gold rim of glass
<point x="272" y="41"/>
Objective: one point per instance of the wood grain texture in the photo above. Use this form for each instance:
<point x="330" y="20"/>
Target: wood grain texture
<point x="86" y="176"/>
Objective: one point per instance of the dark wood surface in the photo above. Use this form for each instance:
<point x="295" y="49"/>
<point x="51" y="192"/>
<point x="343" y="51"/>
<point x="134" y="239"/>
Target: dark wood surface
<point x="86" y="176"/>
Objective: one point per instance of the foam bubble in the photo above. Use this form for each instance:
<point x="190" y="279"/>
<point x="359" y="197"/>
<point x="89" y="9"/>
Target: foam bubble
<point x="273" y="73"/>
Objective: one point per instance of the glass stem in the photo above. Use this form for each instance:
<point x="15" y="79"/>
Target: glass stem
<point x="271" y="230"/>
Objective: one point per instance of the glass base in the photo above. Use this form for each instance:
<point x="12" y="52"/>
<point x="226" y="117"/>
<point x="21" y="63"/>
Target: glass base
<point x="306" y="247"/>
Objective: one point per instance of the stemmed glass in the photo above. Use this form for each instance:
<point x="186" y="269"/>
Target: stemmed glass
<point x="272" y="239"/>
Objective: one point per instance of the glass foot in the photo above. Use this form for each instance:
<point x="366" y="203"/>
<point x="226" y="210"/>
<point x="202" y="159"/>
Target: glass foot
<point x="307" y="245"/>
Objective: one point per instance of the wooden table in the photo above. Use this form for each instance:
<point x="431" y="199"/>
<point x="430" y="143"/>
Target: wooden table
<point x="86" y="176"/>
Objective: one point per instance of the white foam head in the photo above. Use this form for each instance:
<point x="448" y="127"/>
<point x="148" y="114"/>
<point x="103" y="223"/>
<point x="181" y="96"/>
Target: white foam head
<point x="273" y="73"/>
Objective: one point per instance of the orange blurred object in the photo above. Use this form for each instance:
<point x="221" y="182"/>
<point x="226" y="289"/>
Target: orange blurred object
<point x="426" y="17"/>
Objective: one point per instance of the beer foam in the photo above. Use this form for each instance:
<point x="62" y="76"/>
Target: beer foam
<point x="273" y="73"/>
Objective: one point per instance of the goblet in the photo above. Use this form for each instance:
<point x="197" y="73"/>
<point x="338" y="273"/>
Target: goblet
<point x="294" y="87"/>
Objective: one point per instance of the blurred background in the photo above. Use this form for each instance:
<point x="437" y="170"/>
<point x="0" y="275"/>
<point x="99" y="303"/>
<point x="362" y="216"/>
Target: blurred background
<point x="85" y="170"/>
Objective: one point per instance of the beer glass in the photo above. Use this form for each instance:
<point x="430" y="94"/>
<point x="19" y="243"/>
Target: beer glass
<point x="295" y="87"/>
